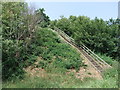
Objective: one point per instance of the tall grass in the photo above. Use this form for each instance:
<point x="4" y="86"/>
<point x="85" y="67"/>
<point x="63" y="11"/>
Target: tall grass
<point x="62" y="81"/>
<point x="57" y="59"/>
<point x="57" y="78"/>
<point x="106" y="58"/>
<point x="54" y="51"/>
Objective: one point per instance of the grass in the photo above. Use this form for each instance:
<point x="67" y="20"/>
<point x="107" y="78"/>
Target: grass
<point x="54" y="51"/>
<point x="62" y="80"/>
<point x="106" y="58"/>
<point x="57" y="78"/>
<point x="57" y="59"/>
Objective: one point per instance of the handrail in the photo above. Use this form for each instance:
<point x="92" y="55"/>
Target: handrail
<point x="94" y="55"/>
<point x="91" y="53"/>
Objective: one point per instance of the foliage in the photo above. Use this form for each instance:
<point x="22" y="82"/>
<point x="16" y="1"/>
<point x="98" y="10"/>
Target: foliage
<point x="23" y="42"/>
<point x="111" y="73"/>
<point x="54" y="52"/>
<point x="106" y="58"/>
<point x="44" y="21"/>
<point x="12" y="20"/>
<point x="58" y="78"/>
<point x="62" y="80"/>
<point x="18" y="27"/>
<point x="99" y="35"/>
<point x="13" y="49"/>
<point x="11" y="65"/>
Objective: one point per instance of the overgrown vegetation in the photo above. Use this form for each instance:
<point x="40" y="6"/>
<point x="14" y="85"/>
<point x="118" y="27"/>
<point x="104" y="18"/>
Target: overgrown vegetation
<point x="52" y="51"/>
<point x="23" y="42"/>
<point x="107" y="59"/>
<point x="19" y="24"/>
<point x="97" y="34"/>
<point x="58" y="79"/>
<point x="27" y="40"/>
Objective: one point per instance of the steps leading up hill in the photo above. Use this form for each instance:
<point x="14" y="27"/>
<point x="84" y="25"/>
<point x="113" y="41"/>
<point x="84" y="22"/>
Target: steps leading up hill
<point x="99" y="64"/>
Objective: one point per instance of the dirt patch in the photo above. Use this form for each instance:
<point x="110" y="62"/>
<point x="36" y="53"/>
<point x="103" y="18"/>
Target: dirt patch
<point x="35" y="72"/>
<point x="89" y="71"/>
<point x="84" y="72"/>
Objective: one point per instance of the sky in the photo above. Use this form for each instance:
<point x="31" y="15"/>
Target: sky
<point x="104" y="10"/>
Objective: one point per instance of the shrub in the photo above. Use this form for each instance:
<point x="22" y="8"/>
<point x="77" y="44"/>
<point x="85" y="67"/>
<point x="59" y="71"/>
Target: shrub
<point x="54" y="51"/>
<point x="11" y="61"/>
<point x="106" y="58"/>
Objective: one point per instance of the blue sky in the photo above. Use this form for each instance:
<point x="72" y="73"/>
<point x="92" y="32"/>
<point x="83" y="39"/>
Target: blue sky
<point x="104" y="10"/>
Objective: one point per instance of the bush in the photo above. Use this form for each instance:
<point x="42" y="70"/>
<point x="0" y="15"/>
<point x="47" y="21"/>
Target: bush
<point x="97" y="34"/>
<point x="45" y="44"/>
<point x="52" y="50"/>
<point x="31" y="60"/>
<point x="106" y="58"/>
<point x="11" y="59"/>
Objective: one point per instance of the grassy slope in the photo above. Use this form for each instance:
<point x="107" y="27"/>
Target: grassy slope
<point x="60" y="80"/>
<point x="57" y="58"/>
<point x="106" y="58"/>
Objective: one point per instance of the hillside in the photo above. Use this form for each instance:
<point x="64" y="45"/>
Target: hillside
<point x="58" y="65"/>
<point x="37" y="55"/>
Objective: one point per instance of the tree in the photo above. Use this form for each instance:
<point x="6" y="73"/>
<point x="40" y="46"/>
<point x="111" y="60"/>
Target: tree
<point x="97" y="34"/>
<point x="43" y="19"/>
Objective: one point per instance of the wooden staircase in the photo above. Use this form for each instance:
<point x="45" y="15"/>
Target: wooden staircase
<point x="99" y="64"/>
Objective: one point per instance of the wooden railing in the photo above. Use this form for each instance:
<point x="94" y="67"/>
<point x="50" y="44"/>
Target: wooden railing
<point x="96" y="58"/>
